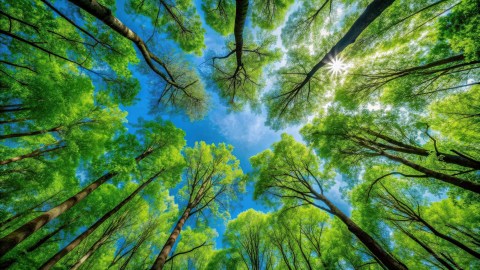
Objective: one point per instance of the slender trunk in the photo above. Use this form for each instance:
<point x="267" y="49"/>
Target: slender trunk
<point x="40" y="242"/>
<point x="409" y="149"/>
<point x="127" y="261"/>
<point x="100" y="242"/>
<point x="452" y="59"/>
<point x="31" y="133"/>
<point x="105" y="15"/>
<point x="46" y="238"/>
<point x="371" y="244"/>
<point x="10" y="241"/>
<point x="461" y="183"/>
<point x="450" y="259"/>
<point x="240" y="17"/>
<point x="278" y="243"/>
<point x="2" y="107"/>
<point x="27" y="211"/>
<point x="474" y="239"/>
<point x="373" y="10"/>
<point x="55" y="258"/>
<point x="13" y="121"/>
<point x="35" y="153"/>
<point x="449" y="239"/>
<point x="162" y="257"/>
<point x="427" y="248"/>
<point x="12" y="108"/>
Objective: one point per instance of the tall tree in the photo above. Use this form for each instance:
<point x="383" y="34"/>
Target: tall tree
<point x="295" y="84"/>
<point x="179" y="84"/>
<point x="290" y="174"/>
<point x="238" y="72"/>
<point x="212" y="178"/>
<point x="355" y="137"/>
<point x="247" y="237"/>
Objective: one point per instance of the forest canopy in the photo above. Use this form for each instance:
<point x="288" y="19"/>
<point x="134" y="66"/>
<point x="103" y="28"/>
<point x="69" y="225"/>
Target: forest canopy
<point x="358" y="148"/>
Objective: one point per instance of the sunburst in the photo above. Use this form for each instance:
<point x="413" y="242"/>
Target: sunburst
<point x="337" y="66"/>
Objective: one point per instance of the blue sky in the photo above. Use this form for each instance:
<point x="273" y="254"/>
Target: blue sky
<point x="245" y="130"/>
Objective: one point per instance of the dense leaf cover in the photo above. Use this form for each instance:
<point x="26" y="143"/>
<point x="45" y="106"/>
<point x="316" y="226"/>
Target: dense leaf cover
<point x="386" y="175"/>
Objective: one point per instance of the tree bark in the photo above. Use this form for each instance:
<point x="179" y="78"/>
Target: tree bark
<point x="373" y="10"/>
<point x="449" y="239"/>
<point x="410" y="149"/>
<point x="31" y="133"/>
<point x="162" y="257"/>
<point x="10" y="241"/>
<point x="90" y="252"/>
<point x="371" y="244"/>
<point x="72" y="245"/>
<point x="240" y="17"/>
<point x="428" y="249"/>
<point x="461" y="183"/>
<point x="105" y="15"/>
<point x="35" y="153"/>
<point x="46" y="238"/>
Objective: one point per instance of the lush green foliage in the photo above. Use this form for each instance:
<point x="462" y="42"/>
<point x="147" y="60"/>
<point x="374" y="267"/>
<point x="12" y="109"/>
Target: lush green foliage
<point x="386" y="174"/>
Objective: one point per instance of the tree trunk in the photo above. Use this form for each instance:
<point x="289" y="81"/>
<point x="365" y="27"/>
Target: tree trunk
<point x="100" y="242"/>
<point x="473" y="239"/>
<point x="427" y="248"/>
<point x="53" y="260"/>
<point x="25" y="212"/>
<point x="12" y="108"/>
<point x="372" y="11"/>
<point x="46" y="238"/>
<point x="461" y="183"/>
<point x="450" y="239"/>
<point x="31" y="133"/>
<point x="35" y="153"/>
<point x="13" y="121"/>
<point x="409" y="149"/>
<point x="240" y="17"/>
<point x="105" y="15"/>
<point x="8" y="263"/>
<point x="371" y="244"/>
<point x="162" y="257"/>
<point x="8" y="242"/>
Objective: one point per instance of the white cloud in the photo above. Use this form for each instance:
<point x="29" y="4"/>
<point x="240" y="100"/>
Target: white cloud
<point x="244" y="127"/>
<point x="247" y="129"/>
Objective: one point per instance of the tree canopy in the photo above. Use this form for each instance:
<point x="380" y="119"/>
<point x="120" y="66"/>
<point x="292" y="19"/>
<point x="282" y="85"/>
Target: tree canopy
<point x="127" y="128"/>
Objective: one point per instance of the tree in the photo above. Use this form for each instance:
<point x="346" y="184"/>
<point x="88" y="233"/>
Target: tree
<point x="382" y="73"/>
<point x="387" y="93"/>
<point x="340" y="136"/>
<point x="176" y="83"/>
<point x="212" y="178"/>
<point x="238" y="78"/>
<point x="193" y="249"/>
<point x="403" y="211"/>
<point x="290" y="173"/>
<point x="291" y="89"/>
<point x="179" y="19"/>
<point x="247" y="237"/>
<point x="115" y="225"/>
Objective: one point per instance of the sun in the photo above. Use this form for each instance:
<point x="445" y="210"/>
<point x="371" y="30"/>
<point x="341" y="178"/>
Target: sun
<point x="337" y="66"/>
